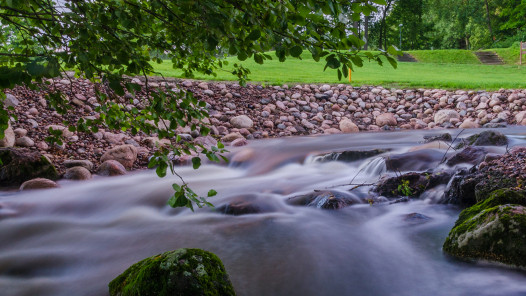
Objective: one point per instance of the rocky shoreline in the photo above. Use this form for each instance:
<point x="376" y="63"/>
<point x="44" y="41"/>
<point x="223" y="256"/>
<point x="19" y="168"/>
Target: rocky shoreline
<point x="238" y="114"/>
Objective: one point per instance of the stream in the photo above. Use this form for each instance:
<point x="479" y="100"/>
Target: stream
<point x="74" y="240"/>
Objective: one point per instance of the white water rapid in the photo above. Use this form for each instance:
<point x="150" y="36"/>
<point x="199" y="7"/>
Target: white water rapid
<point x="74" y="240"/>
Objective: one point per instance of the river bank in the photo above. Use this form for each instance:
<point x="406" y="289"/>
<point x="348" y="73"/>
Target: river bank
<point x="238" y="114"/>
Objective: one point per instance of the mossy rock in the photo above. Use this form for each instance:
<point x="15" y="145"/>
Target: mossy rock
<point x="493" y="230"/>
<point x="20" y="165"/>
<point x="185" y="272"/>
<point x="486" y="138"/>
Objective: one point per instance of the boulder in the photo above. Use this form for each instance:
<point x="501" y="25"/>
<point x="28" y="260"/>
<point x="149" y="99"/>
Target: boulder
<point x="155" y="141"/>
<point x="469" y="123"/>
<point x="239" y="142"/>
<point x="231" y="137"/>
<point x="248" y="204"/>
<point x="179" y="272"/>
<point x="445" y="137"/>
<point x="487" y="138"/>
<point x="24" y="141"/>
<point x="386" y="119"/>
<point x="445" y="115"/>
<point x="411" y="184"/>
<point x="241" y="121"/>
<point x="125" y="154"/>
<point x="20" y="165"/>
<point x="493" y="230"/>
<point x="38" y="183"/>
<point x="328" y="199"/>
<point x="111" y="168"/>
<point x="347" y="126"/>
<point x="470" y="154"/>
<point x="69" y="163"/>
<point x="349" y="156"/>
<point x="77" y="173"/>
<point x="419" y="160"/>
<point x="520" y="118"/>
<point x="11" y="101"/>
<point x="9" y="138"/>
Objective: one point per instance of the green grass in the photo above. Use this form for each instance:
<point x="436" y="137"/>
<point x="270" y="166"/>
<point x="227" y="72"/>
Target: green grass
<point x="427" y="75"/>
<point x="446" y="56"/>
<point x="509" y="55"/>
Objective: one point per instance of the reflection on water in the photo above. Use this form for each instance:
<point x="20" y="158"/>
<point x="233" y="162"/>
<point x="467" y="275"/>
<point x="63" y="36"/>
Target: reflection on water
<point x="74" y="240"/>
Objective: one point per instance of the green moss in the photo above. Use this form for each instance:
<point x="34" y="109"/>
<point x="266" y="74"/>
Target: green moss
<point x="19" y="165"/>
<point x="179" y="272"/>
<point x="493" y="229"/>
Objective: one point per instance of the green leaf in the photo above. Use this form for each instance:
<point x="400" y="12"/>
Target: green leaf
<point x="196" y="162"/>
<point x="211" y="193"/>
<point x="392" y="62"/>
<point x="296" y="51"/>
<point x="254" y="35"/>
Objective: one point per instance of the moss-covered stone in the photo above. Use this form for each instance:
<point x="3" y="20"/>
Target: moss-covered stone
<point x="486" y="138"/>
<point x="20" y="165"/>
<point x="493" y="229"/>
<point x="180" y="272"/>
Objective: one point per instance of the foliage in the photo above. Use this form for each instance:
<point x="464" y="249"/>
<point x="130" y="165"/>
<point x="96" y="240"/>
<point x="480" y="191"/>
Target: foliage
<point x="404" y="188"/>
<point x="104" y="40"/>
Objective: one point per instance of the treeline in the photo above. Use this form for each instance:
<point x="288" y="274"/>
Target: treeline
<point x="445" y="24"/>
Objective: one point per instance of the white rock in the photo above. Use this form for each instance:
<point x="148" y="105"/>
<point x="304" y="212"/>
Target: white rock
<point x="445" y="115"/>
<point x="241" y="121"/>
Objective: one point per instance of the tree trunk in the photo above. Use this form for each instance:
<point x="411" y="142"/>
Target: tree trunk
<point x="366" y="33"/>
<point x="489" y="20"/>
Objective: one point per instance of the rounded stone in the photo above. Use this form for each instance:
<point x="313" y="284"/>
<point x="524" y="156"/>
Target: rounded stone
<point x="38" y="183"/>
<point x="386" y="119"/>
<point x="241" y="121"/>
<point x="445" y="115"/>
<point x="111" y="168"/>
<point x="77" y="173"/>
<point x="347" y="126"/>
<point x="125" y="154"/>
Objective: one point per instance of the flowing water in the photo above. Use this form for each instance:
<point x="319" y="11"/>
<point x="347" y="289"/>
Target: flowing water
<point x="76" y="239"/>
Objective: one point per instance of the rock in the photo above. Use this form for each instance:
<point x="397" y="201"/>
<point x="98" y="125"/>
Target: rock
<point x="239" y="142"/>
<point x="69" y="163"/>
<point x="469" y="123"/>
<point x="247" y="204"/>
<point x="347" y="126"/>
<point x="349" y="156"/>
<point x="445" y="115"/>
<point x="111" y="168"/>
<point x="520" y="118"/>
<point x="11" y="101"/>
<point x="446" y="137"/>
<point x="241" y="121"/>
<point x="114" y="138"/>
<point x="179" y="272"/>
<point x="24" y="142"/>
<point x="231" y="137"/>
<point x="487" y="138"/>
<point x="65" y="132"/>
<point x="77" y="173"/>
<point x="472" y="155"/>
<point x="332" y="131"/>
<point x="20" y="165"/>
<point x="38" y="183"/>
<point x="9" y="138"/>
<point x="386" y="119"/>
<point x="125" y="154"/>
<point x="328" y="200"/>
<point x="419" y="160"/>
<point x="411" y="184"/>
<point x="20" y="132"/>
<point x="492" y="230"/>
<point x="416" y="218"/>
<point x="155" y="141"/>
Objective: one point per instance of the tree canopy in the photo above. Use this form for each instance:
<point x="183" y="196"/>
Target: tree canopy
<point x="106" y="40"/>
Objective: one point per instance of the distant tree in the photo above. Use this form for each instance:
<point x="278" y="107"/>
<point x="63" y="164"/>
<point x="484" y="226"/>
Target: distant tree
<point x="102" y="40"/>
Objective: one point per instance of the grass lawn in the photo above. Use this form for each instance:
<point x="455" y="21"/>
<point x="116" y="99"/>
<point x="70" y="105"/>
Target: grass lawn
<point x="428" y="75"/>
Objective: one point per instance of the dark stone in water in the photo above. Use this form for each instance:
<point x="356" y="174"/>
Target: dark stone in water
<point x="416" y="218"/>
<point x="420" y="160"/>
<point x="350" y="156"/>
<point x="446" y="137"/>
<point x="411" y="184"/>
<point x="486" y="138"/>
<point x="470" y="154"/>
<point x="247" y="204"/>
<point x="20" y="165"/>
<point x="329" y="200"/>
